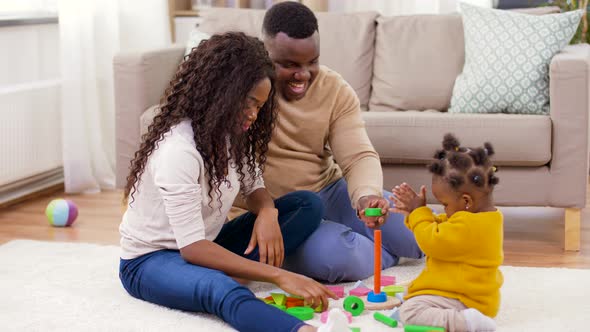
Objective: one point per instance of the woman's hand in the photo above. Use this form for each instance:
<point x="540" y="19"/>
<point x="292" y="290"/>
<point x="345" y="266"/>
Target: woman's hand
<point x="267" y="235"/>
<point x="406" y="200"/>
<point x="372" y="201"/>
<point x="313" y="293"/>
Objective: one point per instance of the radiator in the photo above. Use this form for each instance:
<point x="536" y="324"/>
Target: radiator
<point x="30" y="137"/>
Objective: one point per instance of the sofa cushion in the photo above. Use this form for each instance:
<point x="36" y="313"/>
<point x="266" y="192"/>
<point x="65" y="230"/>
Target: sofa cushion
<point x="347" y="47"/>
<point x="346" y="40"/>
<point x="507" y="58"/>
<point x="412" y="137"/>
<point x="417" y="59"/>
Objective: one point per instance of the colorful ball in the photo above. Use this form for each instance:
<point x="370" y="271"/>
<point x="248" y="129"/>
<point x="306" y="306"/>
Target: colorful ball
<point x="61" y="212"/>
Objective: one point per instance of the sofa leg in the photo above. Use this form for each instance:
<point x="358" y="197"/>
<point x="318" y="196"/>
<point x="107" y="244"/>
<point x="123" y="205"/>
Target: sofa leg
<point x="572" y="229"/>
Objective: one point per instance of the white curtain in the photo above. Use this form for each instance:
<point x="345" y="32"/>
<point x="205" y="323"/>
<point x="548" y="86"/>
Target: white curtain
<point x="402" y="7"/>
<point x="91" y="33"/>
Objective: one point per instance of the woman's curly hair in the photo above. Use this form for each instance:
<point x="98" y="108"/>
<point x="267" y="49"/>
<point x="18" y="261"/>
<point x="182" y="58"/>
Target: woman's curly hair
<point x="210" y="89"/>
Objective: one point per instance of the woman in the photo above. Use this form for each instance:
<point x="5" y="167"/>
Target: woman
<point x="203" y="148"/>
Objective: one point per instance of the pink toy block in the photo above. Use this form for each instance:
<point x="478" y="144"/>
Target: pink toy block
<point x="324" y="316"/>
<point x="387" y="280"/>
<point x="338" y="290"/>
<point x="360" y="291"/>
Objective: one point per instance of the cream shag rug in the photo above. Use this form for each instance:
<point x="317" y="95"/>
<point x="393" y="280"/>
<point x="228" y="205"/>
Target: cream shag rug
<point x="48" y="286"/>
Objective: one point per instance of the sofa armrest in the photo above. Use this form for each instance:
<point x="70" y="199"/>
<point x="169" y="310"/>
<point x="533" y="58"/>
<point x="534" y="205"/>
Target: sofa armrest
<point x="570" y="103"/>
<point x="140" y="79"/>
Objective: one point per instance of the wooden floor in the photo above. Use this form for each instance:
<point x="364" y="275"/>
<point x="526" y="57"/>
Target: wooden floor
<point x="533" y="236"/>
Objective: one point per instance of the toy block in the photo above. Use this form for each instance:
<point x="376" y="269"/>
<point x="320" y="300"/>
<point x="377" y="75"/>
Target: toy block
<point x="354" y="305"/>
<point x="320" y="308"/>
<point x="389" y="304"/>
<point x="293" y="302"/>
<point x="338" y="290"/>
<point x="391" y="290"/>
<point x="303" y="313"/>
<point x="324" y="316"/>
<point x="355" y="329"/>
<point x="387" y="280"/>
<point x="360" y="291"/>
<point x="267" y="301"/>
<point x="394" y="314"/>
<point x="419" y="328"/>
<point x="280" y="299"/>
<point x="359" y="284"/>
<point x="384" y="319"/>
<point x="373" y="212"/>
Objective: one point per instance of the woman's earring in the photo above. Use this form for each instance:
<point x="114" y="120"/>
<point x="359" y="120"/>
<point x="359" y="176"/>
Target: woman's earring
<point x="466" y="207"/>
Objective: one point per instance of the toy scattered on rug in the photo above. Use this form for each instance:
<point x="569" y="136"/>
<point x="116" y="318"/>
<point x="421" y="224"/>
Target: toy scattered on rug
<point x="338" y="290"/>
<point x="336" y="320"/>
<point x="360" y="297"/>
<point x="61" y="212"/>
<point x="419" y="328"/>
<point x="377" y="299"/>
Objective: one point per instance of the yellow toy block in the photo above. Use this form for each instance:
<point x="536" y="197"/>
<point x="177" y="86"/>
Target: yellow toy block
<point x="280" y="299"/>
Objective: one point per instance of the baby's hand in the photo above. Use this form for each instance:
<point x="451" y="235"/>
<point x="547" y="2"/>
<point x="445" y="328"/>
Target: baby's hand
<point x="405" y="200"/>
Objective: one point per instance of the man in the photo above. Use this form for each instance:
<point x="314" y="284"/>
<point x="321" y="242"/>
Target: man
<point x="320" y="125"/>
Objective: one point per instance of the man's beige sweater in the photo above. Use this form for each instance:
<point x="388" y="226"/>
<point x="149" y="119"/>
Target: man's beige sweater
<point x="321" y="138"/>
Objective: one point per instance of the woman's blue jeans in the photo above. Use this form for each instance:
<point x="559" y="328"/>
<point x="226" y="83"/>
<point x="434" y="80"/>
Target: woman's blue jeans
<point x="165" y="278"/>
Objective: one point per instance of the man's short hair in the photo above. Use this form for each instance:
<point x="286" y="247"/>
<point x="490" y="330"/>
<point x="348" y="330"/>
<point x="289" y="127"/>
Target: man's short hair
<point x="291" y="18"/>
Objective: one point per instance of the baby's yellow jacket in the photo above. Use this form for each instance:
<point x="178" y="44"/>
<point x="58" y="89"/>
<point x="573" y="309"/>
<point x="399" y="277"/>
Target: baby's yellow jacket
<point x="463" y="255"/>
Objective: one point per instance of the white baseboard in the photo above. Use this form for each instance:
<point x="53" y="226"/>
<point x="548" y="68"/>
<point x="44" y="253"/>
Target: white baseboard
<point x="31" y="185"/>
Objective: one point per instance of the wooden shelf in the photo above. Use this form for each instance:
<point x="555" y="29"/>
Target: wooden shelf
<point x="186" y="13"/>
<point x="183" y="8"/>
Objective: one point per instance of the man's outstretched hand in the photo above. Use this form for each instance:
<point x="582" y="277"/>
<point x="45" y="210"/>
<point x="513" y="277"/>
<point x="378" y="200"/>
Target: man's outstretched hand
<point x="373" y="201"/>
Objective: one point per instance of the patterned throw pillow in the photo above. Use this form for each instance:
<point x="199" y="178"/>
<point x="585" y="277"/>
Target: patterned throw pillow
<point x="507" y="58"/>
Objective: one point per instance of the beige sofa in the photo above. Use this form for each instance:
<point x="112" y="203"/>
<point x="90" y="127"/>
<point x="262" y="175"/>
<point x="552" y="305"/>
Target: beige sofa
<point x="403" y="69"/>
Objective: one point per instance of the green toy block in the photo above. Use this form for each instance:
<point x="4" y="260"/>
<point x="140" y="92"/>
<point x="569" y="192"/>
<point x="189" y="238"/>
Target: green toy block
<point x="419" y="328"/>
<point x="355" y="329"/>
<point x="354" y="305"/>
<point x="303" y="313"/>
<point x="385" y="320"/>
<point x="279" y="298"/>
<point x="373" y="212"/>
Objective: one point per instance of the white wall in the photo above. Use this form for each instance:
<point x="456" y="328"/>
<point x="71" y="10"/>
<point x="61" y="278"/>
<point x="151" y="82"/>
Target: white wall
<point x="28" y="5"/>
<point x="30" y="130"/>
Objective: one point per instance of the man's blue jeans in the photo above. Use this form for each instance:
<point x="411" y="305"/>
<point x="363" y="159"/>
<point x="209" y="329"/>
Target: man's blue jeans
<point x="342" y="248"/>
<point x="165" y="278"/>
